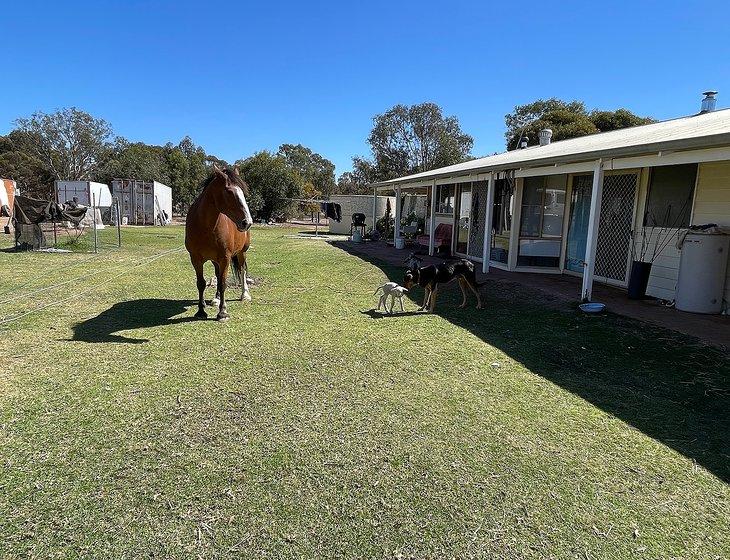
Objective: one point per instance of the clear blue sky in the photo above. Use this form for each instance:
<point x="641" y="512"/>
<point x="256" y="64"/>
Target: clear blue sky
<point x="242" y="77"/>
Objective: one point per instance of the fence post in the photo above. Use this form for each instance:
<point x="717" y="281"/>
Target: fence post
<point x="119" y="221"/>
<point x="93" y="212"/>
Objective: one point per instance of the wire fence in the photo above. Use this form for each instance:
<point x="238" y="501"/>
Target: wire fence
<point x="98" y="231"/>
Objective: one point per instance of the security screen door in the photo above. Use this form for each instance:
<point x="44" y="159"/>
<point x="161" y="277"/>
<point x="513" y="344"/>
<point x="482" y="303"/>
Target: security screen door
<point x="478" y="209"/>
<point x="613" y="247"/>
<point x="463" y="218"/>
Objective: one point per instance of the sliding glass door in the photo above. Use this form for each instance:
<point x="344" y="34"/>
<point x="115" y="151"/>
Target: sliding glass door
<point x="580" y="208"/>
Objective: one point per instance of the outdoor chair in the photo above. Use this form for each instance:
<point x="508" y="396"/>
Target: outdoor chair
<point x="442" y="239"/>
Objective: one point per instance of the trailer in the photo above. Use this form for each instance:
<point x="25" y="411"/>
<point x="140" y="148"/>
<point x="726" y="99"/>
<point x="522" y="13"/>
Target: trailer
<point x="86" y="193"/>
<point x="143" y="203"/>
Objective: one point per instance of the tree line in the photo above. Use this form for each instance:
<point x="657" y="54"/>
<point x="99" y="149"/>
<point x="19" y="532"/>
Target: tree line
<point x="412" y="139"/>
<point x="70" y="144"/>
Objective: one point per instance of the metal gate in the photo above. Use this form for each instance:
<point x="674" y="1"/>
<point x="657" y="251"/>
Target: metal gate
<point x="613" y="247"/>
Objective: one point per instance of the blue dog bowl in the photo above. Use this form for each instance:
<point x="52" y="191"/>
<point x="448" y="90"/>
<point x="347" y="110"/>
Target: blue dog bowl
<point x="592" y="307"/>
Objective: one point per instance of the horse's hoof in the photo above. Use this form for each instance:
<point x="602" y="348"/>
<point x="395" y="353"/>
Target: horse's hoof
<point x="222" y="317"/>
<point x="201" y="315"/>
<point x="215" y="302"/>
<point x="246" y="297"/>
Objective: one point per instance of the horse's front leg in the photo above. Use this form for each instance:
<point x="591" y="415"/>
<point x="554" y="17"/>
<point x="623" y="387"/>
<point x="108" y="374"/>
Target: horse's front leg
<point x="201" y="283"/>
<point x="222" y="274"/>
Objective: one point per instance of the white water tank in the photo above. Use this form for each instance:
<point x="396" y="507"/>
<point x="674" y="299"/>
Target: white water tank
<point x="702" y="273"/>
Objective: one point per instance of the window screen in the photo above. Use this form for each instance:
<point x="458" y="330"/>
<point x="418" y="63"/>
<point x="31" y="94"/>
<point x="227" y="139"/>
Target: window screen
<point x="669" y="202"/>
<point x="445" y="200"/>
<point x="543" y="206"/>
<point x="532" y="194"/>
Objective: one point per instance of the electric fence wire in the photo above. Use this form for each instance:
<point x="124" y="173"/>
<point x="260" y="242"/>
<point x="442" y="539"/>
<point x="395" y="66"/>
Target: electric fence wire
<point x="41" y="307"/>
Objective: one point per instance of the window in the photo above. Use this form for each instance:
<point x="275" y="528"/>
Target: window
<point x="532" y="191"/>
<point x="669" y="201"/>
<point x="553" y="206"/>
<point x="541" y="223"/>
<point x="445" y="199"/>
<point x="543" y="206"/>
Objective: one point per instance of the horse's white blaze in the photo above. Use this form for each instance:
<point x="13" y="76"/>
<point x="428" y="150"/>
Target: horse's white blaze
<point x="244" y="205"/>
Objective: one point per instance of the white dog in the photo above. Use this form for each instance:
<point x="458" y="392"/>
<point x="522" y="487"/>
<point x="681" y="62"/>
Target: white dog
<point x="393" y="290"/>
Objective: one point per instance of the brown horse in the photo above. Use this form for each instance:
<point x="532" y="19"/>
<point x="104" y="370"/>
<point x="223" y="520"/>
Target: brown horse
<point x="217" y="229"/>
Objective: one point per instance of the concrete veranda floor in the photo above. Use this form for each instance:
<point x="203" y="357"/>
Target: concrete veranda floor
<point x="710" y="329"/>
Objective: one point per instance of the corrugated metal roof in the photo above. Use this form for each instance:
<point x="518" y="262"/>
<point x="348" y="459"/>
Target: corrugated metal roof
<point x="697" y="131"/>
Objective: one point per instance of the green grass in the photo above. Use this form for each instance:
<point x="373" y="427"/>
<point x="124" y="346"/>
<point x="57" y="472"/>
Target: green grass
<point x="307" y="427"/>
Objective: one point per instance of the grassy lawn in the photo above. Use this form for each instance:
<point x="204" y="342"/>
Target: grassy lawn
<point x="307" y="426"/>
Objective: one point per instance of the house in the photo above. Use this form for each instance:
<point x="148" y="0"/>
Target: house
<point x="587" y="206"/>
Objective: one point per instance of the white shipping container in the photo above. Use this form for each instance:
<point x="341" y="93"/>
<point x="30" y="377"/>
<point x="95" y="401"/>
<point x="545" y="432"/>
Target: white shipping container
<point x="86" y="193"/>
<point x="163" y="196"/>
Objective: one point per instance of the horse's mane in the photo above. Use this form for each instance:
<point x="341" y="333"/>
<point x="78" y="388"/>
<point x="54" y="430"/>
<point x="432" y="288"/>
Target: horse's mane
<point x="232" y="177"/>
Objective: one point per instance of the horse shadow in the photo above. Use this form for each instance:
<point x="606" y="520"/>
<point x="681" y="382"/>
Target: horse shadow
<point x="129" y="315"/>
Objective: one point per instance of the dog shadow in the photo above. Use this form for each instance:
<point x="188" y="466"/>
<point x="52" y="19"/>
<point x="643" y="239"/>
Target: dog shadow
<point x="375" y="314"/>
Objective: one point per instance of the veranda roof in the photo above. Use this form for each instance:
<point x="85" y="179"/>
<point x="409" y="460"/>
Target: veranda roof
<point x="705" y="130"/>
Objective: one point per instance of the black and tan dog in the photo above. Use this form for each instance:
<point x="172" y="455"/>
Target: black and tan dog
<point x="429" y="278"/>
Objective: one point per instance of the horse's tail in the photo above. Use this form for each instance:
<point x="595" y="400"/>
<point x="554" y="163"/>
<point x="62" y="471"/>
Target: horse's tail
<point x="238" y="268"/>
<point x="378" y="289"/>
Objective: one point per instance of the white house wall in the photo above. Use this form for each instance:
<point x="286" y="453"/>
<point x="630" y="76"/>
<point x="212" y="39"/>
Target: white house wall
<point x="712" y="201"/>
<point x="711" y="205"/>
<point x="665" y="269"/>
<point x="363" y="204"/>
